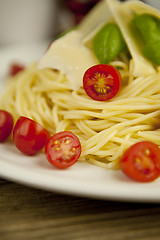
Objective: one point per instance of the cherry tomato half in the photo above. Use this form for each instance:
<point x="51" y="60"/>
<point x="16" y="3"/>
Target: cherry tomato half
<point x="141" y="161"/>
<point x="29" y="136"/>
<point x="63" y="149"/>
<point x="101" y="82"/>
<point x="6" y="125"/>
<point x="15" y="68"/>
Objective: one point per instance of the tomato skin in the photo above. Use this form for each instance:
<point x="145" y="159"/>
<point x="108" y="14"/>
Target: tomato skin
<point x="29" y="136"/>
<point x="79" y="6"/>
<point x="6" y="125"/>
<point x="63" y="149"/>
<point x="102" y="82"/>
<point x="15" y="68"/>
<point x="141" y="161"/>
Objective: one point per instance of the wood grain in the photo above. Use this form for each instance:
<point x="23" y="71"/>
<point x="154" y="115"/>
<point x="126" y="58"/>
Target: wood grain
<point x="28" y="213"/>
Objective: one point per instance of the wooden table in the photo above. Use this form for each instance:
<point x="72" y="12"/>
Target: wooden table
<point x="28" y="214"/>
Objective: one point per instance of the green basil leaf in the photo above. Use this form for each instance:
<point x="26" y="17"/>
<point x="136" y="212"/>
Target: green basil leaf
<point x="152" y="52"/>
<point x="66" y="31"/>
<point x="149" y="27"/>
<point x="108" y="43"/>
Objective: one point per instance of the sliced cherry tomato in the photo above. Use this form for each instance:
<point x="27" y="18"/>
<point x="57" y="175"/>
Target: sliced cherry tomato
<point x="6" y="125"/>
<point x="101" y="82"/>
<point x="63" y="149"/>
<point x="29" y="136"/>
<point x="15" y="68"/>
<point x="141" y="161"/>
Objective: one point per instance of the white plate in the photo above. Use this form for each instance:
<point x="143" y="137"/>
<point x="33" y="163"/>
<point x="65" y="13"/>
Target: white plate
<point x="82" y="179"/>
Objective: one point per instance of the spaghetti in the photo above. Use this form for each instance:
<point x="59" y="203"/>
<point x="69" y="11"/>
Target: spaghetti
<point x="105" y="129"/>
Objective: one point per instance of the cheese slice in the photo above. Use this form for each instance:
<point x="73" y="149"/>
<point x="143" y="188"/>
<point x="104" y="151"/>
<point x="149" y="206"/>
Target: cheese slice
<point x="97" y="16"/>
<point x="94" y="21"/>
<point x="70" y="56"/>
<point x="123" y="15"/>
<point x="88" y="39"/>
<point x="140" y="8"/>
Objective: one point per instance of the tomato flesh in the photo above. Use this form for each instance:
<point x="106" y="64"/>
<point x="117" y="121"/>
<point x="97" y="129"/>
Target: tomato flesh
<point x="29" y="136"/>
<point x="6" y="125"/>
<point x="63" y="149"/>
<point x="101" y="82"/>
<point x="141" y="161"/>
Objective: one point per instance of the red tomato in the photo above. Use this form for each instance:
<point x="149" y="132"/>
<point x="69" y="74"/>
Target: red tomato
<point x="6" y="125"/>
<point x="142" y="161"/>
<point x="101" y="82"/>
<point x="15" y="68"/>
<point x="80" y="6"/>
<point x="63" y="149"/>
<point x="29" y="136"/>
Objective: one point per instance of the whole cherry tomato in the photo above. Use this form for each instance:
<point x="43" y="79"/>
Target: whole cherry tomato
<point x="63" y="149"/>
<point x="6" y="125"/>
<point x="141" y="161"/>
<point x="29" y="136"/>
<point x="81" y="6"/>
<point x="101" y="82"/>
<point x="15" y="68"/>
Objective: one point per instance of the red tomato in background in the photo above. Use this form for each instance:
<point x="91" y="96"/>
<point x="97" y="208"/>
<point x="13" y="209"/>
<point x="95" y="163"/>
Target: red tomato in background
<point x="101" y="82"/>
<point x="29" y="136"/>
<point x="15" y="68"/>
<point x="63" y="149"/>
<point x="141" y="161"/>
<point x="6" y="125"/>
<point x="81" y="6"/>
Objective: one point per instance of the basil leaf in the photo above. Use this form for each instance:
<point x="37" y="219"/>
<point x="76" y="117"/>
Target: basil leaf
<point x="149" y="27"/>
<point x="66" y="31"/>
<point x="108" y="43"/>
<point x="152" y="52"/>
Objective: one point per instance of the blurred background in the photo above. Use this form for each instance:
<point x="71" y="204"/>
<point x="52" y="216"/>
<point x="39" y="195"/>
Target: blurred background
<point x="25" y="21"/>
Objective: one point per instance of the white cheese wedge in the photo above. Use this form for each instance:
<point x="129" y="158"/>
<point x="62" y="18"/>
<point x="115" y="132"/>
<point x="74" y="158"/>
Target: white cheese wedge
<point x="69" y="54"/>
<point x="96" y="17"/>
<point x="93" y="22"/>
<point x="88" y="39"/>
<point x="140" y="8"/>
<point x="123" y="16"/>
<point x="71" y="57"/>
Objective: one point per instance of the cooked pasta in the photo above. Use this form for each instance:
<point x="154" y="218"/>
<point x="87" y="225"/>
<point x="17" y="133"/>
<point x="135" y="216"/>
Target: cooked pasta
<point x="105" y="129"/>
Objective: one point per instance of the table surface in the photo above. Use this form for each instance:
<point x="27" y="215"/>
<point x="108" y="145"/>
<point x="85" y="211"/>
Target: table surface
<point x="28" y="213"/>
